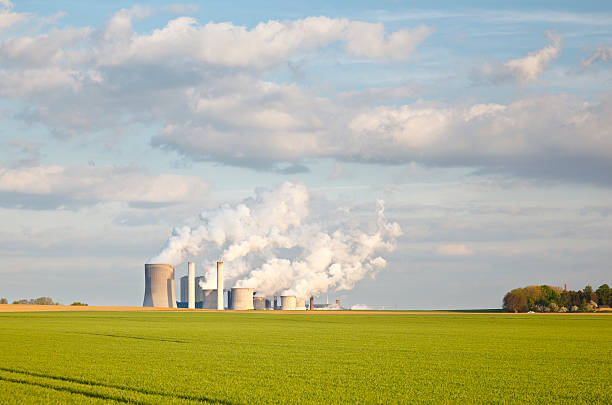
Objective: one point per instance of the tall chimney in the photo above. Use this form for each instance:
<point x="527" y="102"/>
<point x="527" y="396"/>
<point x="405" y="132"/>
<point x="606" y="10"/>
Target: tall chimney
<point x="565" y="286"/>
<point x="338" y="303"/>
<point x="220" y="286"/>
<point x="311" y="302"/>
<point x="191" y="285"/>
<point x="275" y="303"/>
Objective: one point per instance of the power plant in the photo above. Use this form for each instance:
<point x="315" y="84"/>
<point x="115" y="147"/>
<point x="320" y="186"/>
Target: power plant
<point x="159" y="292"/>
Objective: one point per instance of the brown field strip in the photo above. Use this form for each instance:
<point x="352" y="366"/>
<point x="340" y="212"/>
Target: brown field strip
<point x="56" y="308"/>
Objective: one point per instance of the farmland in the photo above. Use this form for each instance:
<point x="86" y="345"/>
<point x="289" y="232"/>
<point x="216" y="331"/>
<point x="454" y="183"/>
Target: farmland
<point x="191" y="357"/>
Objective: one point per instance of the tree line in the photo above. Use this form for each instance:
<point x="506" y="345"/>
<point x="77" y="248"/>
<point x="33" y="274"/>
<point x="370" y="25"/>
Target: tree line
<point x="38" y="301"/>
<point x="545" y="298"/>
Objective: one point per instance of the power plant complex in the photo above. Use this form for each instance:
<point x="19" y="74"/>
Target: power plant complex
<point x="159" y="292"/>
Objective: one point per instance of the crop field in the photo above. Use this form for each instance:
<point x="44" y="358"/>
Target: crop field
<point x="246" y="358"/>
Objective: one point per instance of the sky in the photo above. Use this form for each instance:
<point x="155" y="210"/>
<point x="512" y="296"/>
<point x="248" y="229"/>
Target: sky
<point x="486" y="128"/>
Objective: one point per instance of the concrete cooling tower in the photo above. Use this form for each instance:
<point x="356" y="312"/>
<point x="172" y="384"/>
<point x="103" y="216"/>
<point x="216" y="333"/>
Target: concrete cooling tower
<point x="242" y="299"/>
<point x="259" y="303"/>
<point x="288" y="302"/>
<point x="209" y="299"/>
<point x="300" y="303"/>
<point x="159" y="286"/>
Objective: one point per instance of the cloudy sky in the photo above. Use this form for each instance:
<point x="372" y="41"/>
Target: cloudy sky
<point x="487" y="131"/>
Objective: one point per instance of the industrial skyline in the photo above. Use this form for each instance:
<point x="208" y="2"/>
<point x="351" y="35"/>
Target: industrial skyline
<point x="159" y="286"/>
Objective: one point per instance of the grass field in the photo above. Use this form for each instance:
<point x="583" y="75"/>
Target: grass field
<point x="180" y="357"/>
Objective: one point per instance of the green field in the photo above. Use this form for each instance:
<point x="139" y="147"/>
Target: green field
<point x="227" y="358"/>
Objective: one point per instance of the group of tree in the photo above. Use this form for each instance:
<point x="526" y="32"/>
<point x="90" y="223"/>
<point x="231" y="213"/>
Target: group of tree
<point x="40" y="301"/>
<point x="36" y="301"/>
<point x="544" y="298"/>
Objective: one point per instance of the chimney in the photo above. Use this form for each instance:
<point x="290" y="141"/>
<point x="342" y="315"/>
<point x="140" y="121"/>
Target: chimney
<point x="191" y="285"/>
<point x="565" y="287"/>
<point x="338" y="303"/>
<point x="220" y="286"/>
<point x="311" y="303"/>
<point x="275" y="303"/>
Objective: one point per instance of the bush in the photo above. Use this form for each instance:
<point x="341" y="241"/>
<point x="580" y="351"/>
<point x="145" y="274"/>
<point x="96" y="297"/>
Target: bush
<point x="574" y="308"/>
<point x="562" y="309"/>
<point x="554" y="307"/>
<point x="3" y="301"/>
<point x="78" y="304"/>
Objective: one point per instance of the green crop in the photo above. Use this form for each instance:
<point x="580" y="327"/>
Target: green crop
<point x="231" y="358"/>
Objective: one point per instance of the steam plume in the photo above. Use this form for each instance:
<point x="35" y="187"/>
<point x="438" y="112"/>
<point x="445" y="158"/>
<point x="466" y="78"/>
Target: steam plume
<point x="271" y="244"/>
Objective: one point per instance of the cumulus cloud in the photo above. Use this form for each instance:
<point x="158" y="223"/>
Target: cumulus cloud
<point x="58" y="186"/>
<point x="454" y="250"/>
<point x="549" y="136"/>
<point x="203" y="86"/>
<point x="524" y="70"/>
<point x="369" y="40"/>
<point x="9" y="18"/>
<point x="85" y="80"/>
<point x="601" y="54"/>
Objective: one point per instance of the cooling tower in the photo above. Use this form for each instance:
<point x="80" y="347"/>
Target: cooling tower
<point x="259" y="303"/>
<point x="300" y="303"/>
<point x="220" y="286"/>
<point x="242" y="299"/>
<point x="288" y="302"/>
<point x="209" y="299"/>
<point x="159" y="286"/>
<point x="191" y="285"/>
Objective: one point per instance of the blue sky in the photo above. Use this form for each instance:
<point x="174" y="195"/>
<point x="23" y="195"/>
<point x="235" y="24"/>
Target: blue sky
<point x="485" y="128"/>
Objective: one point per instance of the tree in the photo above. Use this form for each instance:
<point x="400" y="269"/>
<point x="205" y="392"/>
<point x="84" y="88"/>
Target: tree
<point x="589" y="295"/>
<point x="550" y="294"/>
<point x="516" y="301"/>
<point x="22" y="301"/>
<point x="603" y="293"/>
<point x="534" y="296"/>
<point x="78" y="304"/>
<point x="3" y="301"/>
<point x="42" y="301"/>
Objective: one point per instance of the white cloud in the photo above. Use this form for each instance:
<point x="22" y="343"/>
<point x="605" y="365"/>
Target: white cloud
<point x="454" y="250"/>
<point x="359" y="307"/>
<point x="9" y="18"/>
<point x="369" y="40"/>
<point x="524" y="70"/>
<point x="202" y="84"/>
<point x="78" y="185"/>
<point x="603" y="54"/>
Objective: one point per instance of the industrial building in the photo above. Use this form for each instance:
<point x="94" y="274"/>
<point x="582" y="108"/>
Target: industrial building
<point x="159" y="292"/>
<point x="159" y="286"/>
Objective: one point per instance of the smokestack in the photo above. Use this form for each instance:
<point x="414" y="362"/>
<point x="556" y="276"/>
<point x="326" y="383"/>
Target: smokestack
<point x="338" y="303"/>
<point x="275" y="303"/>
<point x="191" y="285"/>
<point x="565" y="286"/>
<point x="220" y="286"/>
<point x="311" y="303"/>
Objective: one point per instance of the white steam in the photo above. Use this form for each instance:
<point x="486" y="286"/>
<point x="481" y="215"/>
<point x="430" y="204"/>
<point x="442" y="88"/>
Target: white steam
<point x="270" y="243"/>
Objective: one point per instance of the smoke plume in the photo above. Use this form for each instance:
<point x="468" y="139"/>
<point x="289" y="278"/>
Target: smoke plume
<point x="273" y="244"/>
